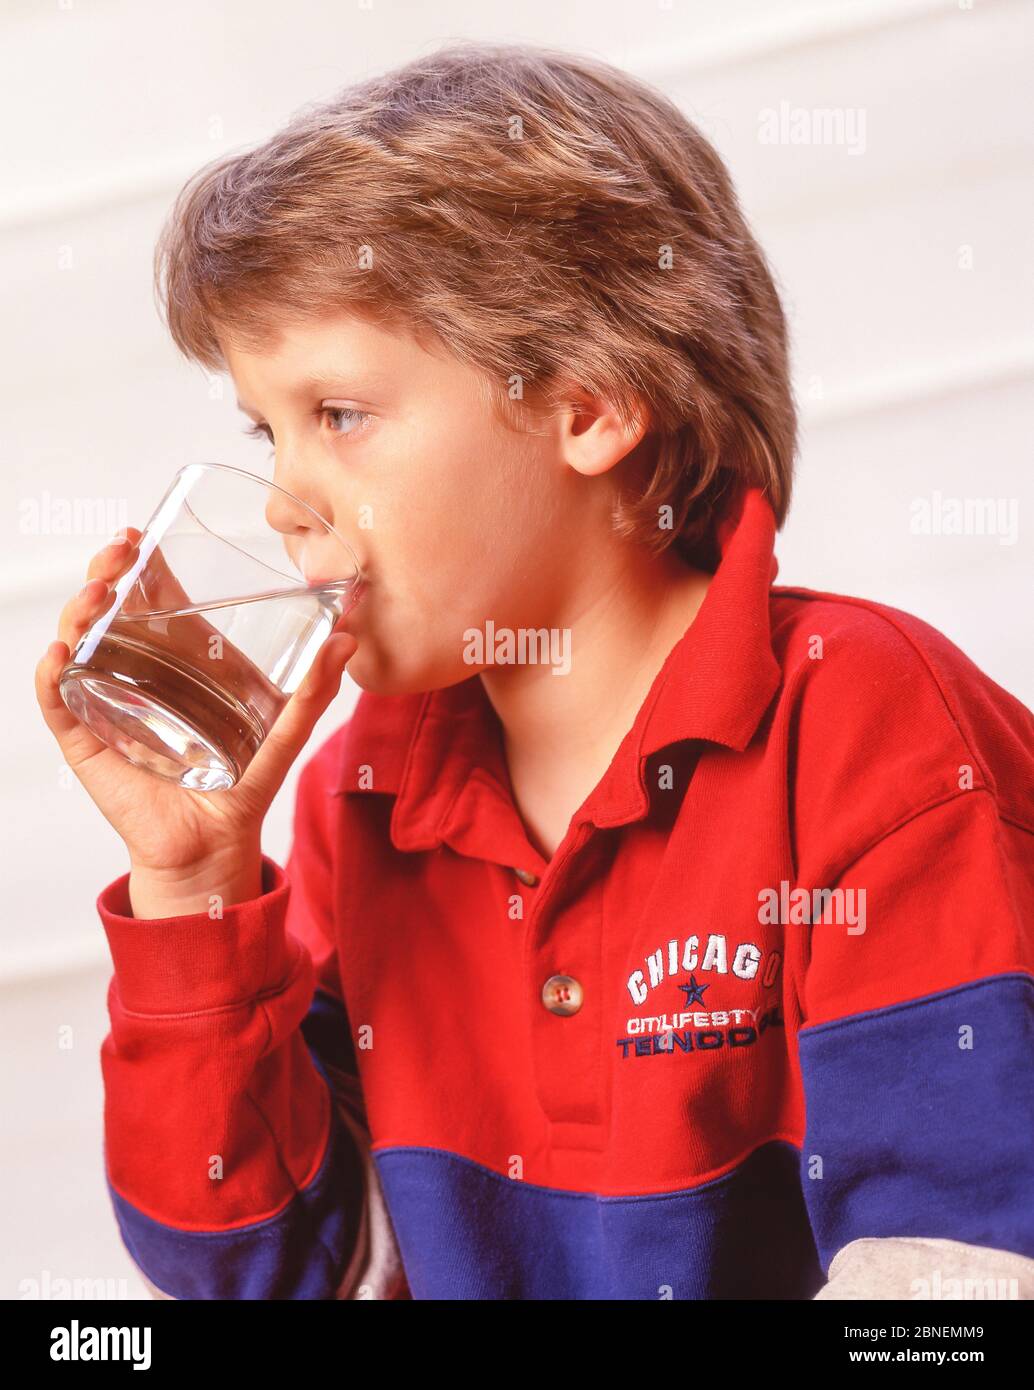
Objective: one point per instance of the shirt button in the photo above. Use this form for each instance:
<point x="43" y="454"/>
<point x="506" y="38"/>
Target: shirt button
<point x="562" y="995"/>
<point x="527" y="877"/>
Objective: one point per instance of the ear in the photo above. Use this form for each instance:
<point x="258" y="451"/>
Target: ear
<point x="592" y="437"/>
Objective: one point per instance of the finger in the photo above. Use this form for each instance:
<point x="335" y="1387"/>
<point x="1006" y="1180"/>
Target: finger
<point x="157" y="587"/>
<point x="296" y="721"/>
<point x="82" y="610"/>
<point x="77" y="742"/>
<point x="114" y="559"/>
<point x="190" y="635"/>
<point x="88" y="604"/>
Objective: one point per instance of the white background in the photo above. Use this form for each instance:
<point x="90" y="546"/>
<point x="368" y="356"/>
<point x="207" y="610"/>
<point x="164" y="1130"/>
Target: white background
<point x="906" y="269"/>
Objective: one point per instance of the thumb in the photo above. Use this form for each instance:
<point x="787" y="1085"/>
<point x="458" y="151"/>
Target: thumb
<point x="294" y="725"/>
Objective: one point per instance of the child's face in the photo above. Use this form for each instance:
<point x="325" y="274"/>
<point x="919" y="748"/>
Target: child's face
<point x="454" y="518"/>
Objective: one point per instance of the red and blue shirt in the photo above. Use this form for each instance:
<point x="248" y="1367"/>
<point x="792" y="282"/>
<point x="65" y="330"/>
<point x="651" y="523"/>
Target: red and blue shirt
<point x="773" y="993"/>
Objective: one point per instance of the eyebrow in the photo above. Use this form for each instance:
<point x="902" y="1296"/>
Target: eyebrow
<point x="323" y="383"/>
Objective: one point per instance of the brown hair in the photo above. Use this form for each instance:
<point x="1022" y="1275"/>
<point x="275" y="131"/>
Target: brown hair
<point x="549" y="219"/>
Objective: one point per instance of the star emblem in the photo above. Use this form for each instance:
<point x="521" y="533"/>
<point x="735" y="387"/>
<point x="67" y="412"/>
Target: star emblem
<point x="694" y="992"/>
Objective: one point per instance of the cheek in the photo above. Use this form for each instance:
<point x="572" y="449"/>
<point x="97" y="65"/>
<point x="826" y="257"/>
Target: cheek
<point x="495" y="511"/>
<point x="452" y="528"/>
<point x="441" y="539"/>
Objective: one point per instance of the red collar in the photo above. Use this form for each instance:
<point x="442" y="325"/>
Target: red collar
<point x="441" y="753"/>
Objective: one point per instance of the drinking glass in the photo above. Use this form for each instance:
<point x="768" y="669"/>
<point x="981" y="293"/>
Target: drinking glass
<point x="206" y="636"/>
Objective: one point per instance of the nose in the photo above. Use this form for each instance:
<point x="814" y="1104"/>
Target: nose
<point x="315" y="550"/>
<point x="297" y="506"/>
<point x="297" y="526"/>
<point x="292" y="502"/>
<point x="286" y="515"/>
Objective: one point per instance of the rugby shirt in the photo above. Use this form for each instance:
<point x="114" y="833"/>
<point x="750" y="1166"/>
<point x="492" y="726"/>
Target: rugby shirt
<point x="769" y="1004"/>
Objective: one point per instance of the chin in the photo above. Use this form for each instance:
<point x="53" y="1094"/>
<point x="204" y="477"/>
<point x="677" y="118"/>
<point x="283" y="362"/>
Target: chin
<point x="380" y="677"/>
<point x="371" y="670"/>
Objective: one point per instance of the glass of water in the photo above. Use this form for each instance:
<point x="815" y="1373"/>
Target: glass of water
<point x="207" y="635"/>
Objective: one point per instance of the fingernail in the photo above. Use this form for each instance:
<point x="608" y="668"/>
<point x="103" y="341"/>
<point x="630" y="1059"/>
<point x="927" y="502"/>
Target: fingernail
<point x="118" y="539"/>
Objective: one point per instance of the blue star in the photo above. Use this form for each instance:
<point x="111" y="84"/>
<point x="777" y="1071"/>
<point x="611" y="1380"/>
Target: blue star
<point x="694" y="992"/>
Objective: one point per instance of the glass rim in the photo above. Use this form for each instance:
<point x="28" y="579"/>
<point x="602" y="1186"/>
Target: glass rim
<point x="265" y="482"/>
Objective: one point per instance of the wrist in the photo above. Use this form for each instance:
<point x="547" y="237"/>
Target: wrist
<point x="195" y="961"/>
<point x="209" y="886"/>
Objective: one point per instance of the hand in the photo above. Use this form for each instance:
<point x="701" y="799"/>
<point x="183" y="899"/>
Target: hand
<point x="169" y="830"/>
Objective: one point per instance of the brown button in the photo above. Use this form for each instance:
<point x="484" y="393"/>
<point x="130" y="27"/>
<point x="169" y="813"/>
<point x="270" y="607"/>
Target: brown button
<point x="562" y="995"/>
<point x="526" y="876"/>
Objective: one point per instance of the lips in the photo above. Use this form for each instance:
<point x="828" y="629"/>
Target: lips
<point x="321" y="581"/>
<point x="351" y="602"/>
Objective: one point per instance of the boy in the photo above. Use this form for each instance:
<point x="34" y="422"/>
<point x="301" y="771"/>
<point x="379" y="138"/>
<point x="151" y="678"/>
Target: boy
<point x="649" y="930"/>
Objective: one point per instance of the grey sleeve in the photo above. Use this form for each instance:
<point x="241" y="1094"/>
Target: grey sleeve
<point x="921" y="1267"/>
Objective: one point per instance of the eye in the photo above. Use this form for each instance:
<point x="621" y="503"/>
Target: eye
<point x="349" y="420"/>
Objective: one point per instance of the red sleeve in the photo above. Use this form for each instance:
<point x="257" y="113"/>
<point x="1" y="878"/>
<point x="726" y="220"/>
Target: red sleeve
<point x="917" y="1044"/>
<point x="231" y="1170"/>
